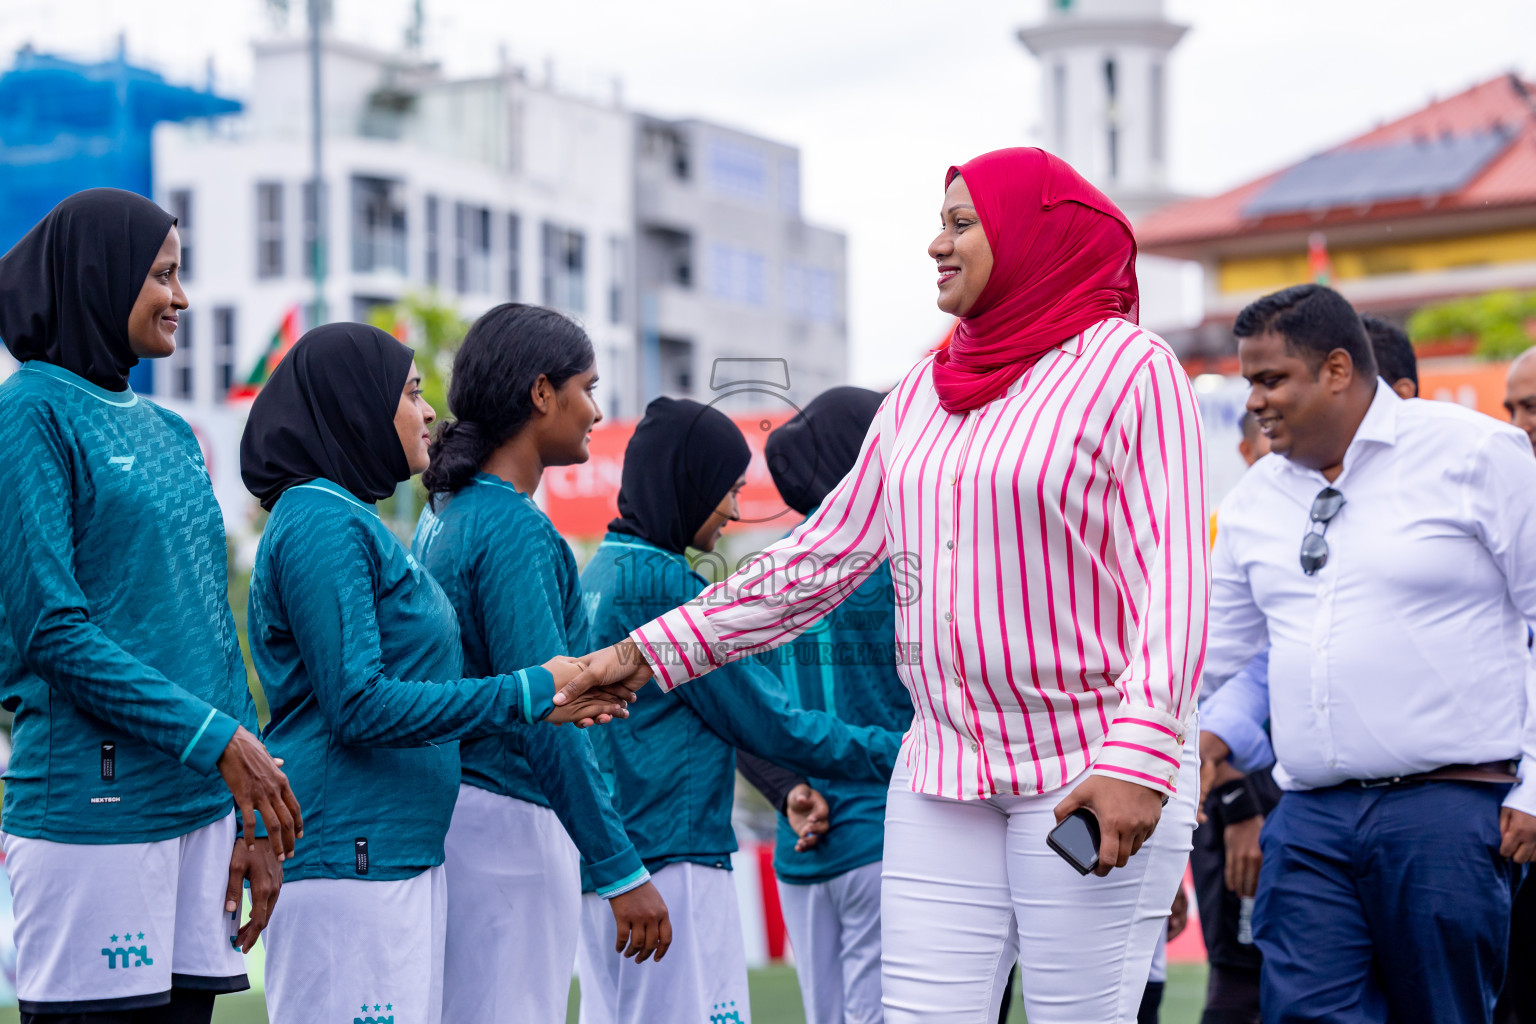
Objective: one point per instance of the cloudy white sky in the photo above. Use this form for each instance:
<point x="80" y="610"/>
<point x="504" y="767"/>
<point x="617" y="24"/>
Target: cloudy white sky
<point x="882" y="95"/>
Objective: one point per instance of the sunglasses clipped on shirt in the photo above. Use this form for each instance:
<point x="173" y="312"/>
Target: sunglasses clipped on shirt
<point x="1314" y="544"/>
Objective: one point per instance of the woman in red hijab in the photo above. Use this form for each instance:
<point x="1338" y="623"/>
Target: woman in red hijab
<point x="1038" y="487"/>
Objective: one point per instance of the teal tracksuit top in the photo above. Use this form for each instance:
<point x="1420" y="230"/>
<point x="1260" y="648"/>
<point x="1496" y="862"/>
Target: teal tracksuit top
<point x="672" y="762"/>
<point x="358" y="652"/>
<point x="512" y="580"/>
<point x="119" y="655"/>
<point x="845" y="665"/>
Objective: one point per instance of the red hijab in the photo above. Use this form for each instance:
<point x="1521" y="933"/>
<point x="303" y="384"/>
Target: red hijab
<point x="1063" y="259"/>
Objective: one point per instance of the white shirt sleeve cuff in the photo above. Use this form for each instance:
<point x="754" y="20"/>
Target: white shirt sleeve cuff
<point x="1522" y="795"/>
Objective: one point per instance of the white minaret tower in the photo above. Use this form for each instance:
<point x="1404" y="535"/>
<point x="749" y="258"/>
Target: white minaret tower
<point x="1105" y="94"/>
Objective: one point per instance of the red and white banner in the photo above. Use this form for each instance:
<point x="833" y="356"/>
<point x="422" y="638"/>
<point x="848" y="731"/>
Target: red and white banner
<point x="580" y="500"/>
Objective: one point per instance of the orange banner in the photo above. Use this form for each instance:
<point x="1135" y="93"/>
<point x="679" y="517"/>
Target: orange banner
<point x="582" y="499"/>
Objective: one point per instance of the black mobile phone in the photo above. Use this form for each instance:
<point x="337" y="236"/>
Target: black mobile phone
<point x="1076" y="839"/>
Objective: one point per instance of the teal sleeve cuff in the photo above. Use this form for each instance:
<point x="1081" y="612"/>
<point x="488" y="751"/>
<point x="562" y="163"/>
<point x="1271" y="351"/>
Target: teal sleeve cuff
<point x="538" y="696"/>
<point x="208" y="743"/>
<point x="618" y="874"/>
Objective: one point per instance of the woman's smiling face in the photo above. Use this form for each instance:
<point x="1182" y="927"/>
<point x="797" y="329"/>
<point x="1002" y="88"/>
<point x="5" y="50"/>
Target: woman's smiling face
<point x="963" y="254"/>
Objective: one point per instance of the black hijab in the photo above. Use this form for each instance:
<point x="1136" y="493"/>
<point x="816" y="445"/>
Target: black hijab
<point x="681" y="462"/>
<point x="67" y="288"/>
<point x="810" y="455"/>
<point x="329" y="411"/>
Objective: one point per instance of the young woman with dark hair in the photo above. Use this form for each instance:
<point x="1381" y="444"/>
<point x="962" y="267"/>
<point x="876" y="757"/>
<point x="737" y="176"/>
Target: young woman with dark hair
<point x="1044" y="475"/>
<point x="358" y="651"/>
<point x="673" y="764"/>
<point x="118" y="652"/>
<point x="521" y="397"/>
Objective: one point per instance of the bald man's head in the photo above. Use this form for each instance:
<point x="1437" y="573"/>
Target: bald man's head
<point x="1520" y="393"/>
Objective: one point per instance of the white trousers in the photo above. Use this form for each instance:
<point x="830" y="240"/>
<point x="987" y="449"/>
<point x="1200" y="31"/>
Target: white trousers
<point x="514" y="908"/>
<point x="704" y="976"/>
<point x="834" y="929"/>
<point x="970" y="886"/>
<point x="345" y="949"/>
<point x="116" y="926"/>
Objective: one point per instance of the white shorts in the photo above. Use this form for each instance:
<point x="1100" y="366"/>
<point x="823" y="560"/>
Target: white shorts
<point x="117" y="926"/>
<point x="514" y="910"/>
<point x="348" y="950"/>
<point x="971" y="886"/>
<point x="596" y="966"/>
<point x="704" y="975"/>
<point x="834" y="930"/>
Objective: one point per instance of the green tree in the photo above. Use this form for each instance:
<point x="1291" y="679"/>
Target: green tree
<point x="434" y="328"/>
<point x="1501" y="322"/>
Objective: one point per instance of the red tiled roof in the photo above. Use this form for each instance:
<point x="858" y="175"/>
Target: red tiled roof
<point x="1508" y="180"/>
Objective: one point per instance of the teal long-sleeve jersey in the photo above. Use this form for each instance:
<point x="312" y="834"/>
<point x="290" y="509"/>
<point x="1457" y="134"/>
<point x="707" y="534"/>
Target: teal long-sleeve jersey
<point x="118" y="654"/>
<point x="672" y="762"/>
<point x="512" y="580"/>
<point x="845" y="665"/>
<point x="358" y="651"/>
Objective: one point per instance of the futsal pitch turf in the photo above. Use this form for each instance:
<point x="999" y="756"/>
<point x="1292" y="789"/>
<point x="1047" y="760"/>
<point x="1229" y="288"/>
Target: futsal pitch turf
<point x="775" y="1000"/>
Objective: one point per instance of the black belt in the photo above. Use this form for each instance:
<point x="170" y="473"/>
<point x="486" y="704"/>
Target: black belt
<point x="1493" y="772"/>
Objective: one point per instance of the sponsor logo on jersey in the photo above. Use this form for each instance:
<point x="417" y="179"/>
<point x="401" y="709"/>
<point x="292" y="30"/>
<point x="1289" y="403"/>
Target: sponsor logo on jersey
<point x="122" y="462"/>
<point x="129" y="956"/>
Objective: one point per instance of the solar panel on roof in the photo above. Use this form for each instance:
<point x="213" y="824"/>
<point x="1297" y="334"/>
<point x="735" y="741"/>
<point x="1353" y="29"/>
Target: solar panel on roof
<point x="1357" y="177"/>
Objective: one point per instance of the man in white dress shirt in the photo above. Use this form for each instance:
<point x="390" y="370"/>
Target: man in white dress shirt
<point x="1388" y="560"/>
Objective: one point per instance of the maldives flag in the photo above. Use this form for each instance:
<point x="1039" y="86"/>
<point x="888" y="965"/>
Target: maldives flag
<point x="282" y="340"/>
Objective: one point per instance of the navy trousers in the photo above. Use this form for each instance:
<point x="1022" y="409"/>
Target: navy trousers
<point x="1378" y="905"/>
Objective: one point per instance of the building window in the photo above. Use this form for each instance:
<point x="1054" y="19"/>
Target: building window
<point x="514" y="256"/>
<point x="810" y="293"/>
<point x="378" y="225"/>
<point x="182" y="361"/>
<point x="1156" y="120"/>
<point x="789" y="185"/>
<point x="668" y="146"/>
<point x="364" y="307"/>
<point x="434" y="242"/>
<point x="269" y="229"/>
<point x="181" y="209"/>
<point x="675" y="359"/>
<point x="1112" y="131"/>
<point x="314" y="229"/>
<point x="738" y="171"/>
<point x="1059" y="104"/>
<point x="738" y="275"/>
<point x="224" y="351"/>
<point x="618" y="273"/>
<point x="472" y="249"/>
<point x="565" y="268"/>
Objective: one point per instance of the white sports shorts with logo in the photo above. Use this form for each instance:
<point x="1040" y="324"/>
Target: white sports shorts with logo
<point x="345" y="950"/>
<point x="111" y="927"/>
<point x="514" y="910"/>
<point x="703" y="978"/>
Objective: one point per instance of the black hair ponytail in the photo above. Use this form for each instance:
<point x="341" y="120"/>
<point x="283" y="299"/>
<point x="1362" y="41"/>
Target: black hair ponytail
<point x="490" y="396"/>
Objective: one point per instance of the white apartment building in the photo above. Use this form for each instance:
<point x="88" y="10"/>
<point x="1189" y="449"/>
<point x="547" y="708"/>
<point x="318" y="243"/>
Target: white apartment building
<point x="735" y="287"/>
<point x="482" y="191"/>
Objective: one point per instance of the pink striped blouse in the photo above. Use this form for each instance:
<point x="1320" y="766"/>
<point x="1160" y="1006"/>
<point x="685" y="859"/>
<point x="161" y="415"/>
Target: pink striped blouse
<point x="1051" y="571"/>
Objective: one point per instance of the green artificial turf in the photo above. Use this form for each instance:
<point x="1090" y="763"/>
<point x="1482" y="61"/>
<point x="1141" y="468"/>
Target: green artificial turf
<point x="775" y="1000"/>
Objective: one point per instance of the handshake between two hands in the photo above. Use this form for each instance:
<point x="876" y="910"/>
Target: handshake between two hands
<point x="596" y="688"/>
